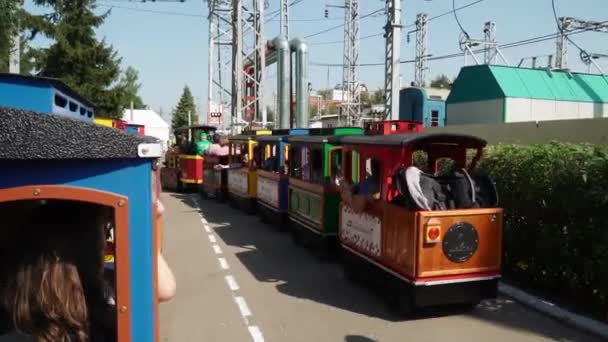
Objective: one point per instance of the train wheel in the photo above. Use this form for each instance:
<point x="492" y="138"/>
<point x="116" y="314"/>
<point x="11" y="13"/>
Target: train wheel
<point x="400" y="300"/>
<point x="297" y="237"/>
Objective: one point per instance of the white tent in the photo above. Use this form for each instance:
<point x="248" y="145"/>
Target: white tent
<point x="155" y="125"/>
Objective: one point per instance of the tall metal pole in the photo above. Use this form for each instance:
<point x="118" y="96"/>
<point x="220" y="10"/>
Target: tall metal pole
<point x="392" y="56"/>
<point x="490" y="44"/>
<point x="260" y="67"/>
<point x="561" y="54"/>
<point x="285" y="19"/>
<point x="350" y="74"/>
<point x="421" y="50"/>
<point x="237" y="66"/>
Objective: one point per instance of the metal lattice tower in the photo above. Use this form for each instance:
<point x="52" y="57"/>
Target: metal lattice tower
<point x="491" y="46"/>
<point x="488" y="44"/>
<point x="421" y="50"/>
<point x="567" y="25"/>
<point x="219" y="97"/>
<point x="392" y="56"/>
<point x="285" y="19"/>
<point x="249" y="62"/>
<point x="350" y="74"/>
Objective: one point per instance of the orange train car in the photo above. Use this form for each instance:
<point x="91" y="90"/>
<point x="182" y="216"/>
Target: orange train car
<point x="429" y="232"/>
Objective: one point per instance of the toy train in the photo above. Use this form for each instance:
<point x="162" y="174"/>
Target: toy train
<point x="49" y="171"/>
<point x="408" y="210"/>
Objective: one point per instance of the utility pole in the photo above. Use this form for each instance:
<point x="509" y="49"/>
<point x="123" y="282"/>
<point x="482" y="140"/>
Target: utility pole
<point x="350" y="73"/>
<point x="421" y="50"/>
<point x="285" y="19"/>
<point x="490" y="49"/>
<point x="392" y="35"/>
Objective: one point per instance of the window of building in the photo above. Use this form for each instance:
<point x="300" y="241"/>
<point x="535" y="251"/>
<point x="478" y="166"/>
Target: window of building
<point x="434" y="118"/>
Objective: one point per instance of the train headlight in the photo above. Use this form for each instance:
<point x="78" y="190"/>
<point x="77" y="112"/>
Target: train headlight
<point x="432" y="231"/>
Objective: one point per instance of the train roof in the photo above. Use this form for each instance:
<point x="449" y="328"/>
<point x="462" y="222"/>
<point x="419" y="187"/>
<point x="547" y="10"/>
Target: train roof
<point x="54" y="82"/>
<point x="405" y="140"/>
<point x="202" y="127"/>
<point x="271" y="138"/>
<point x="316" y="139"/>
<point x="27" y="135"/>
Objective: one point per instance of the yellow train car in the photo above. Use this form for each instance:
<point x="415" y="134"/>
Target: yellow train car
<point x="245" y="157"/>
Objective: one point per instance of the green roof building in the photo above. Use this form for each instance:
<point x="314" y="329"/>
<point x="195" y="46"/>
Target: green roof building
<point x="483" y="94"/>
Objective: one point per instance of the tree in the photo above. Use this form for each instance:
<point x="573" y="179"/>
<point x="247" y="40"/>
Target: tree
<point x="377" y="97"/>
<point x="365" y="99"/>
<point x="89" y="66"/>
<point x="129" y="83"/>
<point x="184" y="106"/>
<point x="325" y="93"/>
<point x="441" y="81"/>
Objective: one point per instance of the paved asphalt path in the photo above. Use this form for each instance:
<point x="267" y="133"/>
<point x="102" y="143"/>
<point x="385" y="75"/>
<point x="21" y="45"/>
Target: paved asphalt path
<point x="241" y="280"/>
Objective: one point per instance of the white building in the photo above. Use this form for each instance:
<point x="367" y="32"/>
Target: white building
<point x="154" y="124"/>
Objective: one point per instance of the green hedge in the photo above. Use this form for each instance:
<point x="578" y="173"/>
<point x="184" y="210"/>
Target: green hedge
<point x="555" y="198"/>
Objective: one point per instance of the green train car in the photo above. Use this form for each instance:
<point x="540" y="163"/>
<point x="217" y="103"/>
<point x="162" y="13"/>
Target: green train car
<point x="313" y="199"/>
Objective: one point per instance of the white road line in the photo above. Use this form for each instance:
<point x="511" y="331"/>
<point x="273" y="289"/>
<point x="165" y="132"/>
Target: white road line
<point x="232" y="283"/>
<point x="223" y="263"/>
<point x="242" y="304"/>
<point x="212" y="238"/>
<point x="204" y="220"/>
<point x="256" y="333"/>
<point x="207" y="228"/>
<point x="217" y="249"/>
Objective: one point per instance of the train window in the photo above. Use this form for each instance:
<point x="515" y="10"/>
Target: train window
<point x="72" y="242"/>
<point x="371" y="183"/>
<point x="90" y="113"/>
<point x="316" y="165"/>
<point x="295" y="161"/>
<point x="336" y="163"/>
<point x="83" y="111"/>
<point x="60" y="101"/>
<point x="270" y="162"/>
<point x="73" y="107"/>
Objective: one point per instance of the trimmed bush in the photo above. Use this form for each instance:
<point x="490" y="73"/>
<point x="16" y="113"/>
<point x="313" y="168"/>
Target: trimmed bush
<point x="555" y="198"/>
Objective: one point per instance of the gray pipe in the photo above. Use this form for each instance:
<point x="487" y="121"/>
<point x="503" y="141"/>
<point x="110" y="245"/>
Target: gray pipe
<point x="280" y="45"/>
<point x="301" y="75"/>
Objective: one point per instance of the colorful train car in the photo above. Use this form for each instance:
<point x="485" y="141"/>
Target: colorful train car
<point x="242" y="181"/>
<point x="273" y="178"/>
<point x="313" y="200"/>
<point x="183" y="168"/>
<point x="56" y="168"/>
<point x="429" y="232"/>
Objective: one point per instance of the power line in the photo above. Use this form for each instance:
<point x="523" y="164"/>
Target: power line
<point x="342" y="25"/>
<point x="191" y="15"/>
<point x="523" y="42"/>
<point x="406" y="26"/>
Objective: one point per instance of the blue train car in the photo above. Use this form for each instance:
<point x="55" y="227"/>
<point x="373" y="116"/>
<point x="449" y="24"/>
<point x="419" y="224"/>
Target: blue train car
<point x="416" y="105"/>
<point x="49" y="159"/>
<point x="273" y="179"/>
<point x="44" y="95"/>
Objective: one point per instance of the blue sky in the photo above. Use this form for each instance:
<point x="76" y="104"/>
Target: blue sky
<point x="170" y="51"/>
